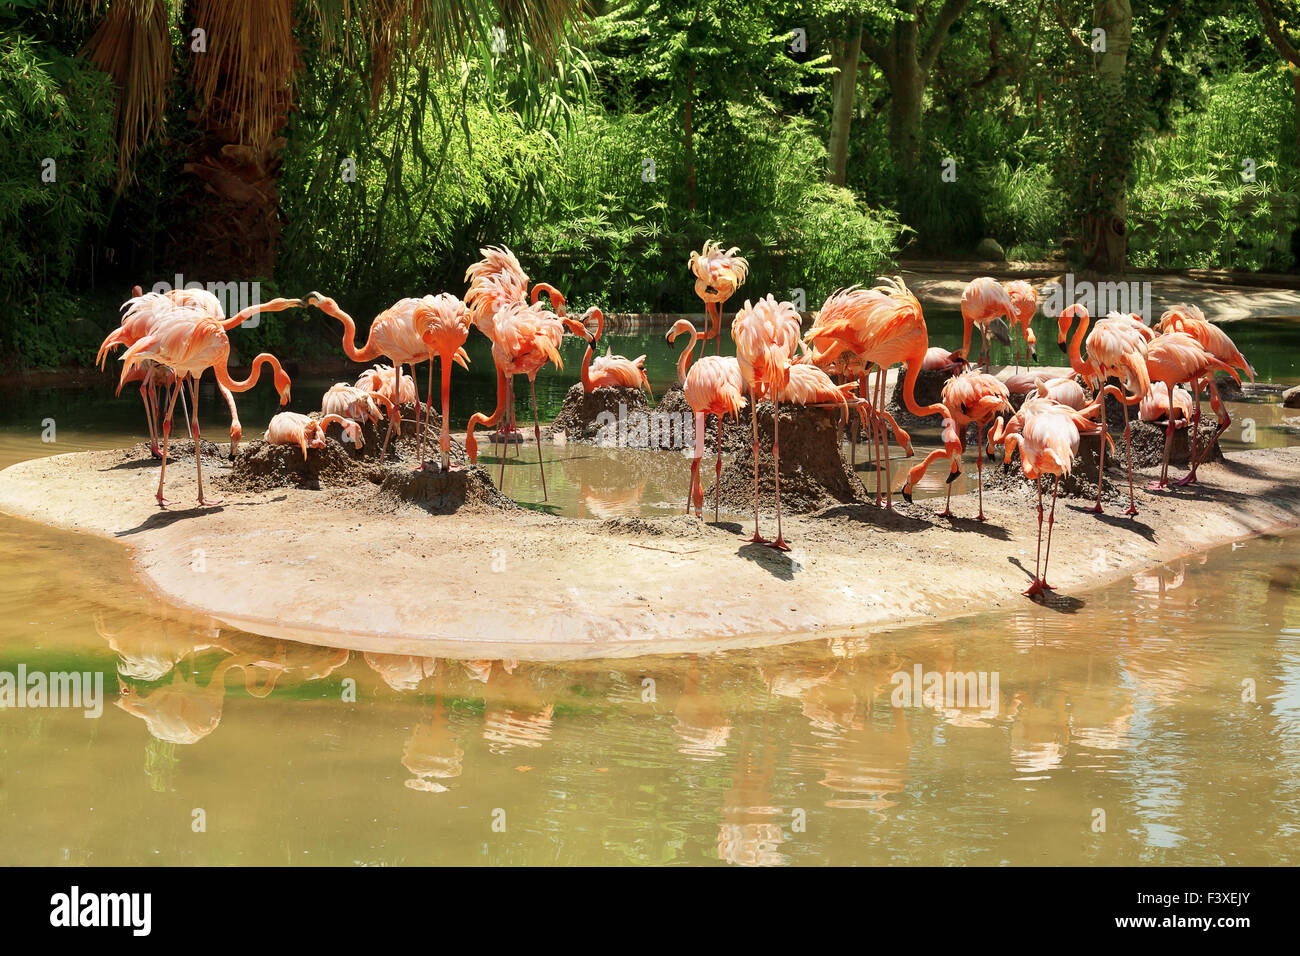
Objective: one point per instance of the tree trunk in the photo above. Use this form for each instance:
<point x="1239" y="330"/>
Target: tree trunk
<point x="1106" y="231"/>
<point x="845" y="55"/>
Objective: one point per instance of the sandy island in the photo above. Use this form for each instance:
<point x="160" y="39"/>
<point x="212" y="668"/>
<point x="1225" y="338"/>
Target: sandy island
<point x="351" y="567"/>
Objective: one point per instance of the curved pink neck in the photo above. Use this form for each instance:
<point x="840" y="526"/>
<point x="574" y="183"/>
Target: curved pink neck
<point x="684" y="362"/>
<point x="223" y="373"/>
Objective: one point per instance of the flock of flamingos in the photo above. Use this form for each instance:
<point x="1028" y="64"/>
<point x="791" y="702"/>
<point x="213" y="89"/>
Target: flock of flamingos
<point x="172" y="338"/>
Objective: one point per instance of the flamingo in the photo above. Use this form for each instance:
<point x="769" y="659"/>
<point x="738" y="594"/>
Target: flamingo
<point x="1190" y="319"/>
<point x="1024" y="301"/>
<point x="939" y="359"/>
<point x="294" y="428"/>
<point x="982" y="301"/>
<point x="382" y="380"/>
<point x="1117" y="346"/>
<point x="718" y="275"/>
<point x="610" y="370"/>
<point x="766" y="336"/>
<point x="1047" y="436"/>
<point x="152" y="377"/>
<point x="444" y="327"/>
<point x="712" y="386"/>
<point x="392" y="335"/>
<point x="144" y="311"/>
<point x="1060" y="388"/>
<point x="970" y="397"/>
<point x="188" y="343"/>
<point x="1155" y="405"/>
<point x="524" y="338"/>
<point x="1174" y="358"/>
<point x="354" y="402"/>
<point x="885" y="326"/>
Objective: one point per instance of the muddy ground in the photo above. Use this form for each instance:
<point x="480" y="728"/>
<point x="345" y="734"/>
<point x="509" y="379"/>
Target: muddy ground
<point x="371" y="568"/>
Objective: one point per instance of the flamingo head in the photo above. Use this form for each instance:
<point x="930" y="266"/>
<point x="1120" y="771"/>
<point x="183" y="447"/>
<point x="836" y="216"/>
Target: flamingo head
<point x="282" y="385"/>
<point x="1031" y="343"/>
<point x="1066" y="320"/>
<point x="680" y="327"/>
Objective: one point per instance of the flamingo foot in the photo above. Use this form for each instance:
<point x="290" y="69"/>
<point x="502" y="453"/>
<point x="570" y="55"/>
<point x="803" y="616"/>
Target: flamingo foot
<point x="1035" y="589"/>
<point x="163" y="502"/>
<point x="1131" y="510"/>
<point x="1188" y="479"/>
<point x="945" y="513"/>
<point x="154" y="451"/>
<point x="758" y="539"/>
<point x="1097" y="509"/>
<point x="209" y="502"/>
<point x="980" y="517"/>
<point x="1157" y="486"/>
<point x="779" y="544"/>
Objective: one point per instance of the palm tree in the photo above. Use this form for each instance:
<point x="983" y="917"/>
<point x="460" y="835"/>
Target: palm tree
<point x="240" y="59"/>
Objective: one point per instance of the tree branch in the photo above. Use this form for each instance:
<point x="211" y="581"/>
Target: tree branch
<point x="1274" y="31"/>
<point x="952" y="9"/>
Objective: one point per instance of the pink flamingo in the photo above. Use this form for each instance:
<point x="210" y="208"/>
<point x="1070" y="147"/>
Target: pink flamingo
<point x="1047" y="435"/>
<point x="1190" y="319"/>
<point x="884" y="326"/>
<point x="712" y="386"/>
<point x="766" y="336"/>
<point x="1024" y="302"/>
<point x="939" y="359"/>
<point x="444" y="327"/>
<point x="524" y="338"/>
<point x="1174" y="358"/>
<point x="354" y="402"/>
<point x="610" y="370"/>
<point x="1155" y="405"/>
<point x="392" y="335"/>
<point x="983" y="301"/>
<point x="188" y="343"/>
<point x="718" y="275"/>
<point x="970" y="397"/>
<point x="293" y="428"/>
<point x="1060" y="388"/>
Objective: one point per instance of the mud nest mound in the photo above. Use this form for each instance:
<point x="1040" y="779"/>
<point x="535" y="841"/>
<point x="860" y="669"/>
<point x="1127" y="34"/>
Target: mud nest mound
<point x="401" y="448"/>
<point x="463" y="489"/>
<point x="180" y="450"/>
<point x="1148" y="442"/>
<point x="605" y="415"/>
<point x="260" y="466"/>
<point x="682" y="526"/>
<point x="736" y="433"/>
<point x="813" y="472"/>
<point x="928" y="391"/>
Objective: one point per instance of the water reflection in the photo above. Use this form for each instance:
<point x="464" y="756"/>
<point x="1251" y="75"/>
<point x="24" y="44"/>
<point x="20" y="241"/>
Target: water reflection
<point x="800" y="754"/>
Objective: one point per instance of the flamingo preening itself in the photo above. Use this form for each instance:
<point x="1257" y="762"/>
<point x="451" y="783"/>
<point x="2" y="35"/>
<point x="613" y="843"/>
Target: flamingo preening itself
<point x="970" y="397"/>
<point x="767" y="336"/>
<point x="189" y="342"/>
<point x="884" y="326"/>
<point x="293" y="428"/>
<point x="1175" y="358"/>
<point x="1047" y="435"/>
<point x="1156" y="405"/>
<point x="718" y="275"/>
<point x="610" y="370"/>
<point x="355" y="403"/>
<point x="1061" y="388"/>
<point x="1190" y="319"/>
<point x="444" y="326"/>
<point x="712" y="386"/>
<point x="393" y="335"/>
<point x="983" y="301"/>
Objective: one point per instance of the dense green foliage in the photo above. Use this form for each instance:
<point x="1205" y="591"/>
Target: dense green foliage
<point x="658" y="126"/>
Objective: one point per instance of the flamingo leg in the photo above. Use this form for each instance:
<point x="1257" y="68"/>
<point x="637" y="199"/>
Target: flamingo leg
<point x="510" y="409"/>
<point x="717" y="473"/>
<point x="1037" y="586"/>
<point x="779" y="544"/>
<point x="167" y="431"/>
<point x="695" y="493"/>
<point x="146" y="389"/>
<point x="1128" y="452"/>
<point x="194" y="429"/>
<point x="1195" y="437"/>
<point x="396" y="417"/>
<point x="979" y="467"/>
<point x="1169" y="438"/>
<point x="1101" y="451"/>
<point x="877" y="426"/>
<point x="884" y="428"/>
<point x="537" y="433"/>
<point x="1051" y="519"/>
<point x="753" y="404"/>
<point x="1225" y="420"/>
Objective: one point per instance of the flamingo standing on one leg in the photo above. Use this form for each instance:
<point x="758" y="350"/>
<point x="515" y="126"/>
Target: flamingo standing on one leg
<point x="718" y="275"/>
<point x="392" y="335"/>
<point x="982" y="302"/>
<point x="970" y="397"/>
<point x="610" y="370"/>
<point x="1047" y="435"/>
<point x="444" y="327"/>
<point x="188" y="343"/>
<point x="1024" y="301"/>
<point x="1174" y="358"/>
<point x="767" y="336"/>
<point x="1190" y="319"/>
<point x="712" y="386"/>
